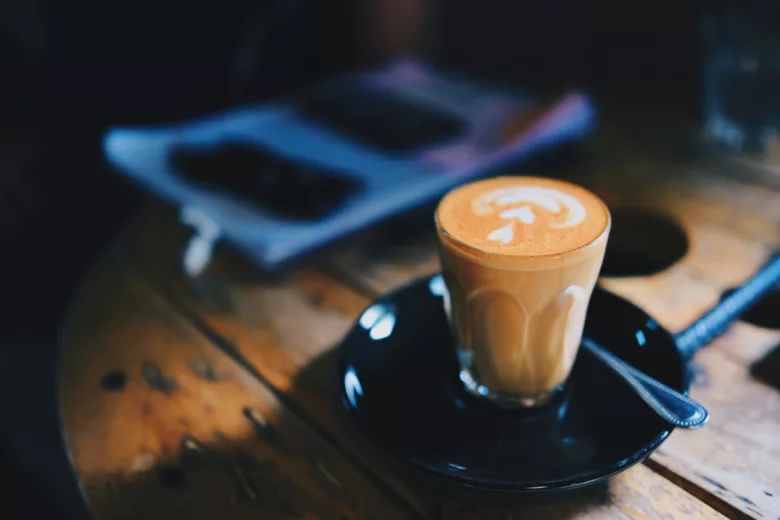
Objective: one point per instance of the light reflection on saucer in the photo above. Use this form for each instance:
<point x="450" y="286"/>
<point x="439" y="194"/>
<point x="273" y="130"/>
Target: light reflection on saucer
<point x="373" y="314"/>
<point x="383" y="327"/>
<point x="352" y="386"/>
<point x="378" y="320"/>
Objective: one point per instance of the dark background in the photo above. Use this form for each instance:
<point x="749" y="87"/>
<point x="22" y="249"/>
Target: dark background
<point x="70" y="69"/>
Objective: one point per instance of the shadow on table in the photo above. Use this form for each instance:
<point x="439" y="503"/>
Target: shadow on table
<point x="317" y="382"/>
<point x="767" y="369"/>
<point x="38" y="480"/>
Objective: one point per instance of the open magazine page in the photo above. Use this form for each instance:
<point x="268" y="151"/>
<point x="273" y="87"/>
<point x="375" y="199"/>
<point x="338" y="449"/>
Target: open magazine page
<point x="280" y="179"/>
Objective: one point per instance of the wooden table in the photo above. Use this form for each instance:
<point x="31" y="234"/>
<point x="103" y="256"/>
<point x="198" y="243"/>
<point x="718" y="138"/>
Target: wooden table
<point x="212" y="397"/>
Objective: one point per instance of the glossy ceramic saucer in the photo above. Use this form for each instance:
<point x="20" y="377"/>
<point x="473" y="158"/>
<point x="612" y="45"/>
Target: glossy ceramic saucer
<point x="398" y="378"/>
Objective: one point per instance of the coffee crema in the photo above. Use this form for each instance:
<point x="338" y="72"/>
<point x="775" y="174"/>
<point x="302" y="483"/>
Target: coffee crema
<point x="522" y="216"/>
<point x="520" y="257"/>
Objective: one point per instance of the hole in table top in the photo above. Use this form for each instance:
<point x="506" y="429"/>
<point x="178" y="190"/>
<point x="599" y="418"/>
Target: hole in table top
<point x="767" y="369"/>
<point x="642" y="242"/>
<point x="113" y="381"/>
<point x="765" y="313"/>
<point x="171" y="477"/>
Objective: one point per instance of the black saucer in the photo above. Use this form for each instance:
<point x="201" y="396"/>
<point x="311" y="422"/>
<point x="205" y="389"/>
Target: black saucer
<point x="398" y="378"/>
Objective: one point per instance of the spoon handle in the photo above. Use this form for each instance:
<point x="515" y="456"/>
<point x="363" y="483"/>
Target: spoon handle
<point x="677" y="409"/>
<point x="713" y="323"/>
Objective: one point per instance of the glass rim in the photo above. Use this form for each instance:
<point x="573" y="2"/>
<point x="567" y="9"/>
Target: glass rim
<point x="479" y="253"/>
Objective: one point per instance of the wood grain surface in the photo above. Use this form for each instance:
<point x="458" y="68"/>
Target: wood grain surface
<point x="226" y="406"/>
<point x="159" y="422"/>
<point x="286" y="328"/>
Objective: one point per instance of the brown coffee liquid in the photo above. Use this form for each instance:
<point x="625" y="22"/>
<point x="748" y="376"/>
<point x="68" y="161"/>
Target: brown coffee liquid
<point x="520" y="257"/>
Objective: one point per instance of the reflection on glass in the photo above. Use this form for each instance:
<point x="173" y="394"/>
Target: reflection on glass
<point x="468" y="380"/>
<point x="640" y="338"/>
<point x="436" y="286"/>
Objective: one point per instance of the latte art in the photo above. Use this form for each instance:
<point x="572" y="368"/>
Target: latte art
<point x="549" y="199"/>
<point x="525" y="216"/>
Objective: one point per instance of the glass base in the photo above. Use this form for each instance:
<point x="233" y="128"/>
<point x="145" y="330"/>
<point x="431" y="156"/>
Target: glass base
<point x="503" y="400"/>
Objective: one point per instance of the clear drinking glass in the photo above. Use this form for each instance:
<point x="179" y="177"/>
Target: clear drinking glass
<point x="517" y="320"/>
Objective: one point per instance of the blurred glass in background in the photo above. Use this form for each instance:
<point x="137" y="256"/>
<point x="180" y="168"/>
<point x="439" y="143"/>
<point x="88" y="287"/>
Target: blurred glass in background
<point x="741" y="75"/>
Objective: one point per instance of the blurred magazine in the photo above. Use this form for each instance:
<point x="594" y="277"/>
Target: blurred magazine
<point x="279" y="179"/>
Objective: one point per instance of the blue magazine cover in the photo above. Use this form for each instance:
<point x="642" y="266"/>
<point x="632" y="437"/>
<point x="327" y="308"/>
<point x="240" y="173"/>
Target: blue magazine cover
<point x="279" y="179"/>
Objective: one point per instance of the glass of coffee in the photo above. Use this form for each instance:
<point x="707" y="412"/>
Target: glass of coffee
<point x="520" y="257"/>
